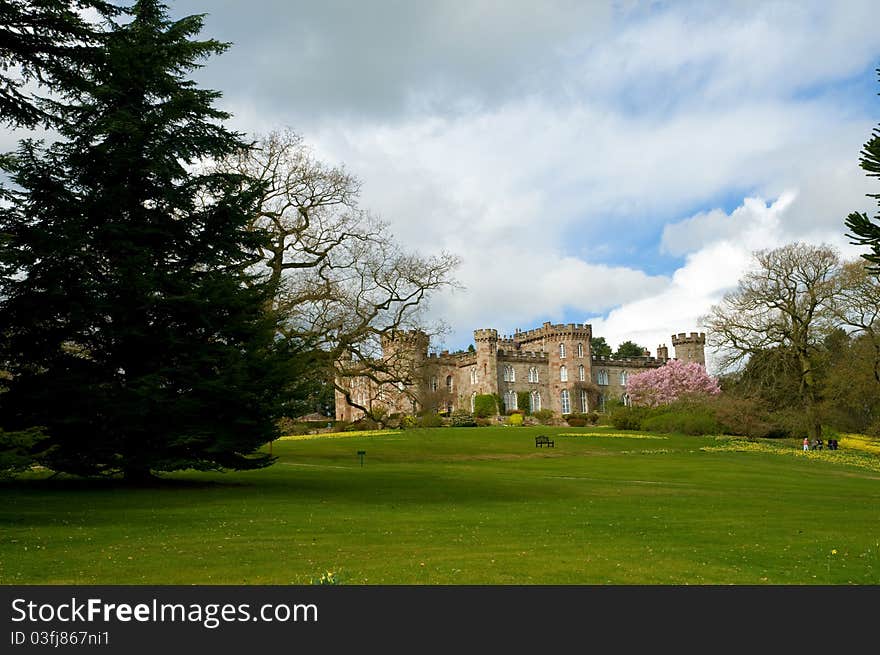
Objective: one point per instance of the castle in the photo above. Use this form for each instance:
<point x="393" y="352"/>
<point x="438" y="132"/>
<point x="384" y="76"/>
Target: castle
<point x="551" y="367"/>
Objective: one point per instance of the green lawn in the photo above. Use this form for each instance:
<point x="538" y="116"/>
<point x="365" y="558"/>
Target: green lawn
<point x="463" y="506"/>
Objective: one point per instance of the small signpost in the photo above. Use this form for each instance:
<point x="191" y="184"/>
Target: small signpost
<point x="361" y="454"/>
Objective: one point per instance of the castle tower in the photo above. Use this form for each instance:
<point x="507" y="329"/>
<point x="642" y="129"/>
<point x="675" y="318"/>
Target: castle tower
<point x="411" y="345"/>
<point x="662" y="351"/>
<point x="568" y="349"/>
<point x="690" y="348"/>
<point x="487" y="360"/>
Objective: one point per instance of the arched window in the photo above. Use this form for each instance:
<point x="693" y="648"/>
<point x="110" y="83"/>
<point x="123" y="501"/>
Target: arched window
<point x="580" y="350"/>
<point x="623" y="376"/>
<point x="448" y="383"/>
<point x="585" y="406"/>
<point x="561" y="351"/>
<point x="533" y="374"/>
<point x="508" y="374"/>
<point x="566" y="402"/>
<point x="563" y="374"/>
<point x="582" y="373"/>
<point x="434" y="384"/>
<point x="474" y="375"/>
<point x="602" y="377"/>
<point x="535" y="401"/>
<point x="510" y="400"/>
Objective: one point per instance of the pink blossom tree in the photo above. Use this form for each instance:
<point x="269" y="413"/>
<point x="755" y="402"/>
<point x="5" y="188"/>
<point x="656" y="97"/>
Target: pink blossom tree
<point x="661" y="386"/>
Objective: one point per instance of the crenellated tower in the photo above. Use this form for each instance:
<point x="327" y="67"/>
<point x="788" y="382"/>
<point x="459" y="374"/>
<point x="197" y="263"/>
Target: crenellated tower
<point x="487" y="360"/>
<point x="690" y="347"/>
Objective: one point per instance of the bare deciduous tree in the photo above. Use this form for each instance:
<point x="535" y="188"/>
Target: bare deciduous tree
<point x="784" y="303"/>
<point x="856" y="304"/>
<point x="342" y="282"/>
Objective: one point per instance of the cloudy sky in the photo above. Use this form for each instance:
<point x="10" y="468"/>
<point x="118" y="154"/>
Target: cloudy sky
<point x="612" y="163"/>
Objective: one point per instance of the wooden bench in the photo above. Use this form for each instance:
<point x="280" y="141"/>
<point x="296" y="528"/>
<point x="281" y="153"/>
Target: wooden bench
<point x="541" y="441"/>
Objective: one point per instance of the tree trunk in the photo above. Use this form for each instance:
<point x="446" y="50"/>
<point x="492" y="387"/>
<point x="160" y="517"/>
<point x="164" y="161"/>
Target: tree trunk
<point x="808" y="393"/>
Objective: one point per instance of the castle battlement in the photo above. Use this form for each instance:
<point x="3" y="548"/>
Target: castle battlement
<point x="694" y="337"/>
<point x="486" y="335"/>
<point x="414" y="337"/>
<point x="690" y="348"/>
<point x="506" y="343"/>
<point x="603" y="360"/>
<point x="554" y="332"/>
<point x="459" y="358"/>
<point x="522" y="354"/>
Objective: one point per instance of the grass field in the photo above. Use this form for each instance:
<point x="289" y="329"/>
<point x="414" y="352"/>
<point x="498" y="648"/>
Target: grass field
<point x="466" y="506"/>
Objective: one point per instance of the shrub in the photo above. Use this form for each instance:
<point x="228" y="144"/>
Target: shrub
<point x="364" y="423"/>
<point x="482" y="422"/>
<point x="693" y="420"/>
<point x="543" y="415"/>
<point x="287" y="426"/>
<point x="515" y="419"/>
<point x="485" y="405"/>
<point x="747" y="417"/>
<point x="430" y="419"/>
<point x="593" y="418"/>
<point x="523" y="400"/>
<point x="579" y="419"/>
<point x="627" y="418"/>
<point x="409" y="422"/>
<point x="462" y="419"/>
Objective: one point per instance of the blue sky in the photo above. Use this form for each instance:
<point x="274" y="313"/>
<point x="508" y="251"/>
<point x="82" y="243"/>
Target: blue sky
<point x="614" y="162"/>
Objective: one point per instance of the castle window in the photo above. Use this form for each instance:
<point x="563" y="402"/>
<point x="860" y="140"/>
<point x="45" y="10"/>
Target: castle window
<point x="433" y="384"/>
<point x="561" y="351"/>
<point x="585" y="406"/>
<point x="473" y="375"/>
<point x="448" y="383"/>
<point x="533" y="374"/>
<point x="623" y="376"/>
<point x="535" y="401"/>
<point x="566" y="402"/>
<point x="563" y="374"/>
<point x="473" y="401"/>
<point x="509" y="374"/>
<point x="602" y="377"/>
<point x="582" y="373"/>
<point x="580" y="350"/>
<point x="510" y="400"/>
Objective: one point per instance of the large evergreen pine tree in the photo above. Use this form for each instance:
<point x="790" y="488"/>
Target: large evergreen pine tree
<point x="863" y="230"/>
<point x="46" y="42"/>
<point x="128" y="324"/>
